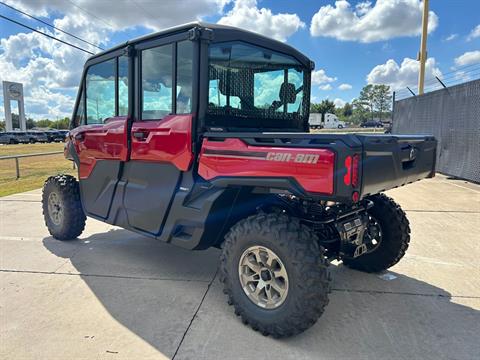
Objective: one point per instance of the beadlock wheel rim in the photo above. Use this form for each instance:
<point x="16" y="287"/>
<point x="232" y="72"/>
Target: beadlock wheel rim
<point x="55" y="208"/>
<point x="263" y="277"/>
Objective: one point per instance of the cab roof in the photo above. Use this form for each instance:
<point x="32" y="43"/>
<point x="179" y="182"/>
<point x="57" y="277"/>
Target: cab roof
<point x="217" y="33"/>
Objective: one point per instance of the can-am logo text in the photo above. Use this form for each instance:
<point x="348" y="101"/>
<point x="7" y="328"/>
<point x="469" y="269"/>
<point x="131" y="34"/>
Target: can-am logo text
<point x="298" y="158"/>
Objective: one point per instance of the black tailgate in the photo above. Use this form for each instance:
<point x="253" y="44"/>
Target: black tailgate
<point x="390" y="161"/>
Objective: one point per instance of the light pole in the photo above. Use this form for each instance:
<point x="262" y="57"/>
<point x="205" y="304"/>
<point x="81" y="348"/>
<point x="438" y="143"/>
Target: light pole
<point x="422" y="55"/>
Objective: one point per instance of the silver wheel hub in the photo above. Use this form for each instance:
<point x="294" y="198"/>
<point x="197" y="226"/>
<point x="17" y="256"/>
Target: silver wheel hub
<point x="373" y="234"/>
<point x="263" y="277"/>
<point x="55" y="208"/>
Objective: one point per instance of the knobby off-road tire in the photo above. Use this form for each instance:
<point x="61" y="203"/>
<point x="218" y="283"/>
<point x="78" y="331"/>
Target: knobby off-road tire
<point x="62" y="208"/>
<point x="395" y="237"/>
<point x="303" y="260"/>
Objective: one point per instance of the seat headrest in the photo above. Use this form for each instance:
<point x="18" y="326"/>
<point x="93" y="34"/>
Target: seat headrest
<point x="287" y="93"/>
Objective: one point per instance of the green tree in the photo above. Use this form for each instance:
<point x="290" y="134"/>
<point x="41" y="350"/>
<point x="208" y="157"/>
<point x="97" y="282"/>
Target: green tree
<point x="383" y="99"/>
<point x="63" y="123"/>
<point x="45" y="123"/>
<point x="347" y="110"/>
<point x="360" y="111"/>
<point x="367" y="98"/>
<point x="325" y="106"/>
<point x="30" y="123"/>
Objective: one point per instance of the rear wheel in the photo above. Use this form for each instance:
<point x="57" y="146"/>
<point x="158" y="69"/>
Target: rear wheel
<point x="275" y="274"/>
<point x="62" y="208"/>
<point x="387" y="236"/>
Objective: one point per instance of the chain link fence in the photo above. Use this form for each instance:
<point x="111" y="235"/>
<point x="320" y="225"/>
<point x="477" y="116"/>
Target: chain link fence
<point x="452" y="115"/>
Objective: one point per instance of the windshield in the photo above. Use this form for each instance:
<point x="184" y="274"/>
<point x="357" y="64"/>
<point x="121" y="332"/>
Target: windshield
<point x="250" y="86"/>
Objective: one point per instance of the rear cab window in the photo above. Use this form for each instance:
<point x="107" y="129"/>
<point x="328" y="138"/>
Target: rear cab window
<point x="251" y="86"/>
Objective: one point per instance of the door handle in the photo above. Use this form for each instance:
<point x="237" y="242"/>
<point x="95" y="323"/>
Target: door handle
<point x="140" y="135"/>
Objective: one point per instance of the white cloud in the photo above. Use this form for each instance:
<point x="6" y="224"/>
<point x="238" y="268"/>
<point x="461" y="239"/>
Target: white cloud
<point x="50" y="71"/>
<point x="470" y="57"/>
<point x="475" y="33"/>
<point x="451" y="37"/>
<point x="345" y="86"/>
<point x="325" y="87"/>
<point x="385" y="20"/>
<point x="403" y="75"/>
<point x="339" y="102"/>
<point x="245" y="14"/>
<point x="154" y="15"/>
<point x="320" y="77"/>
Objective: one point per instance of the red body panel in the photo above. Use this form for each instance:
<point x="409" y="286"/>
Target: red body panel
<point x="166" y="140"/>
<point x="100" y="141"/>
<point x="313" y="169"/>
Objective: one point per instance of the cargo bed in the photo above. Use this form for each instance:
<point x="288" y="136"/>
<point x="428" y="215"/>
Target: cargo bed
<point x="385" y="162"/>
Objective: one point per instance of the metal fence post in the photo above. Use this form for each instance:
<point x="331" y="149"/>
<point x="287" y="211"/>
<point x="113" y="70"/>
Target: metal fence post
<point x="17" y="168"/>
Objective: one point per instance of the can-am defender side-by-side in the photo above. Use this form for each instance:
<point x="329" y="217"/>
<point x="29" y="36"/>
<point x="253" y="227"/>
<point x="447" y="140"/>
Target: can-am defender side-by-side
<point x="198" y="136"/>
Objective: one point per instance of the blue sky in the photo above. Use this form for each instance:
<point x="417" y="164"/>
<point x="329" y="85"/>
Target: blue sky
<point x="352" y="42"/>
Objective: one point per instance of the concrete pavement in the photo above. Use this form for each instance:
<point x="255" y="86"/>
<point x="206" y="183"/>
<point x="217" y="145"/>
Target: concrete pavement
<point x="113" y="294"/>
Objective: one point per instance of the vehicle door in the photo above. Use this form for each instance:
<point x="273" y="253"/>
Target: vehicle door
<point x="100" y="135"/>
<point x="161" y="134"/>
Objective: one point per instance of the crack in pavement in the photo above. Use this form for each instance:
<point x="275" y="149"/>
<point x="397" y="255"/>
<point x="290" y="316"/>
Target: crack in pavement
<point x="101" y="275"/>
<point x="404" y="293"/>
<point x="210" y="282"/>
<point x="195" y="314"/>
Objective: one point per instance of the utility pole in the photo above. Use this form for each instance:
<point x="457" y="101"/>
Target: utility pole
<point x="422" y="55"/>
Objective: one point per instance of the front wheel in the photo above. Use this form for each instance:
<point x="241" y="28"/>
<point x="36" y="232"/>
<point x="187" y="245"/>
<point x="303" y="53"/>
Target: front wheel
<point x="387" y="235"/>
<point x="275" y="274"/>
<point x="62" y="208"/>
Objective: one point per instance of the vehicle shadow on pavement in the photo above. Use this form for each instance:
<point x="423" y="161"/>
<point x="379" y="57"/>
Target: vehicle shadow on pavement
<point x="154" y="290"/>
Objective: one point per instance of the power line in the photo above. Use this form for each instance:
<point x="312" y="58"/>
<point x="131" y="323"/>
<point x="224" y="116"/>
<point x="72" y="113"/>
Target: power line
<point x="45" y="34"/>
<point x="48" y="24"/>
<point x="91" y="14"/>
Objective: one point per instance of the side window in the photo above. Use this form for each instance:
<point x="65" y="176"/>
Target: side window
<point x="157" y="82"/>
<point x="122" y="86"/>
<point x="184" y="77"/>
<point x="79" y="118"/>
<point x="101" y="92"/>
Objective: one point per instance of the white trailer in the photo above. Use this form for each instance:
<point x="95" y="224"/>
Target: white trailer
<point x="331" y="121"/>
<point x="315" y="121"/>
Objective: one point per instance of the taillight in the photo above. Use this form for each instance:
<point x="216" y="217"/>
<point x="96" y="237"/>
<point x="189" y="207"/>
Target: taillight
<point x="352" y="164"/>
<point x="347" y="178"/>
<point x="355" y="166"/>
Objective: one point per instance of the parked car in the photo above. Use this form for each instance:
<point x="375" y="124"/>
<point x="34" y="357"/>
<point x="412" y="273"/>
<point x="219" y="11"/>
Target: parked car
<point x="21" y="137"/>
<point x="37" y="136"/>
<point x="7" y="138"/>
<point x="55" y="136"/>
<point x="372" y="124"/>
<point x="280" y="203"/>
<point x="64" y="134"/>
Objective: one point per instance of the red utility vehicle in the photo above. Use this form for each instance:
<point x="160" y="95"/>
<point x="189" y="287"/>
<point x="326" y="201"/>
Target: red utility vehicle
<point x="198" y="136"/>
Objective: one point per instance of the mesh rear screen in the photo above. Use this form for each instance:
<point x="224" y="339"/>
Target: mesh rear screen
<point x="250" y="86"/>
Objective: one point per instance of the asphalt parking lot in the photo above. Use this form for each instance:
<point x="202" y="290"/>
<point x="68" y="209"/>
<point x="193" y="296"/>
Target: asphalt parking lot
<point x="116" y="295"/>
